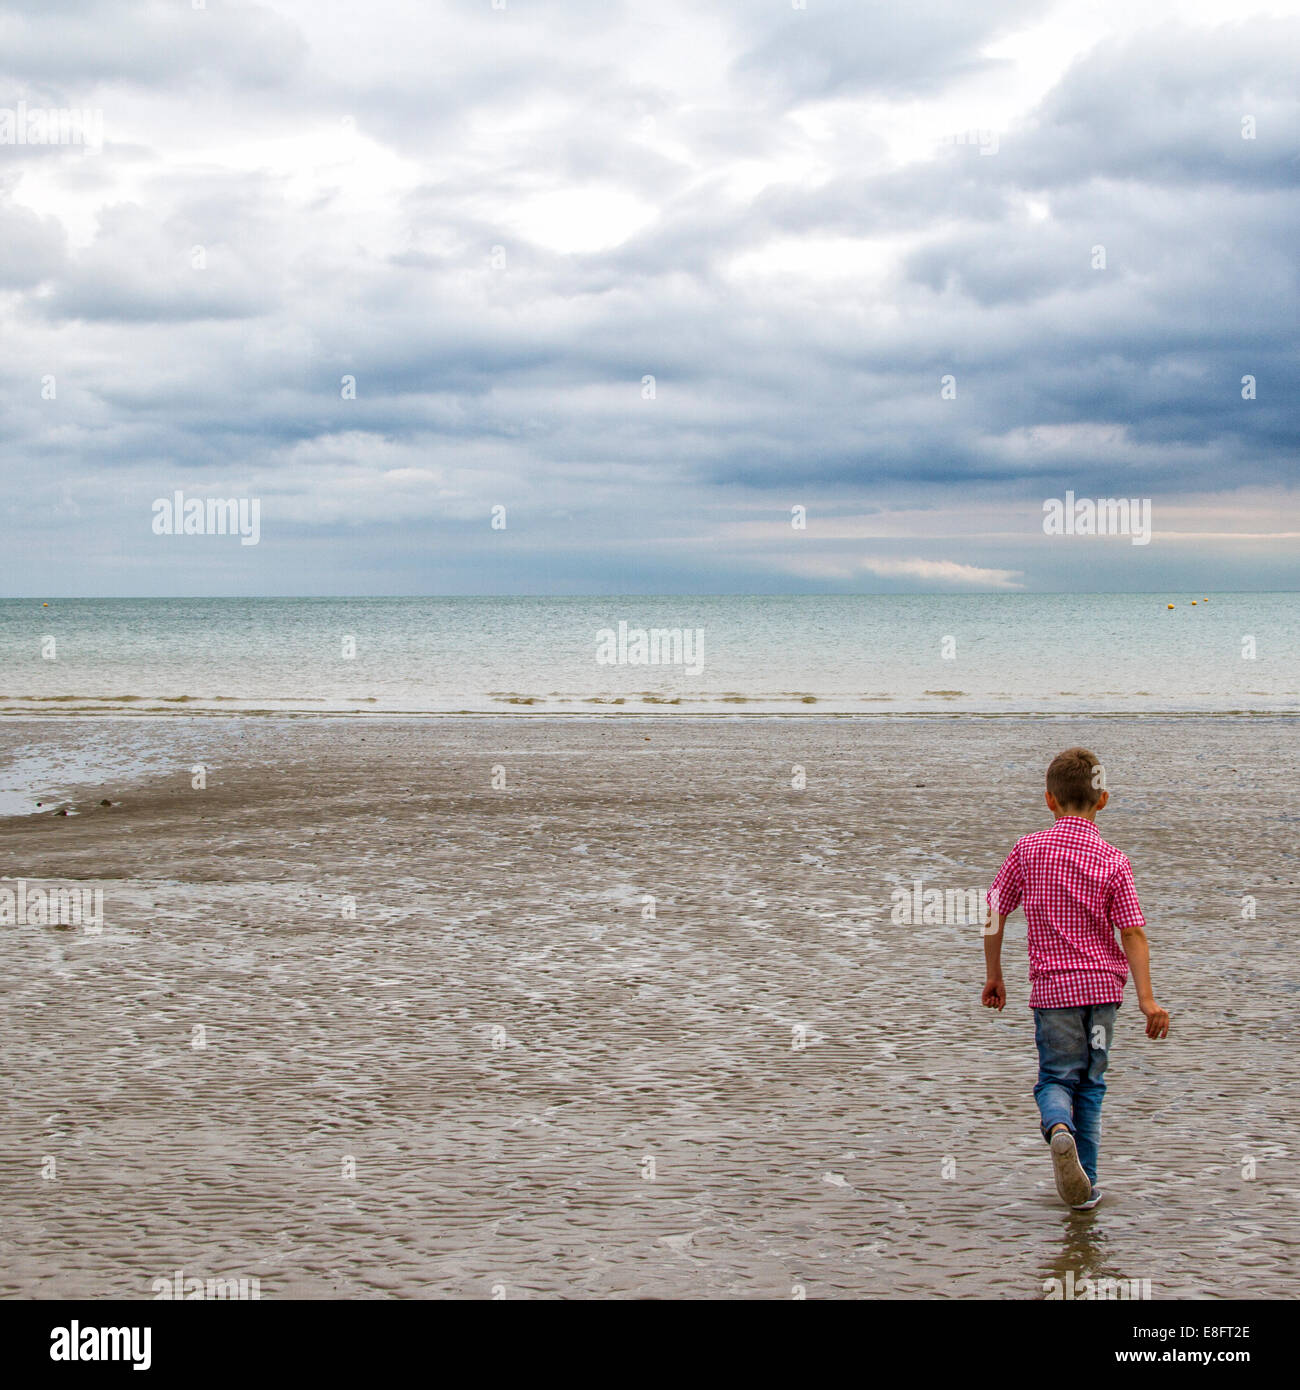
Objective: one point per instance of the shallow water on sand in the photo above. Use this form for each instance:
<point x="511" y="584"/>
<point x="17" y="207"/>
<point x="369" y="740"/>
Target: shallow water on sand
<point x="502" y="1038"/>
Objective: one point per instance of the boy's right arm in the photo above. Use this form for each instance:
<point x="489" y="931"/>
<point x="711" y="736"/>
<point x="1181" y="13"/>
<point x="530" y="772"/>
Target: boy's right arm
<point x="995" y="990"/>
<point x="1003" y="898"/>
<point x="1138" y="951"/>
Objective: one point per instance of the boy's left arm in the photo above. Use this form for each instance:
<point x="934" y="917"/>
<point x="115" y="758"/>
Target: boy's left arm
<point x="1125" y="915"/>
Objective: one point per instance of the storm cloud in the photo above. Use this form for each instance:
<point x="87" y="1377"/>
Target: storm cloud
<point x="649" y="278"/>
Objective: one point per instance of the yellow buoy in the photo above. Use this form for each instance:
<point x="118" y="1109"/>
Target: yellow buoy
<point x="1169" y="605"/>
<point x="1193" y="603"/>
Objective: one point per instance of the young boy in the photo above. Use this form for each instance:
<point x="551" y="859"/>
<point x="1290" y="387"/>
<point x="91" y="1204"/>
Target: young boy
<point x="1076" y="890"/>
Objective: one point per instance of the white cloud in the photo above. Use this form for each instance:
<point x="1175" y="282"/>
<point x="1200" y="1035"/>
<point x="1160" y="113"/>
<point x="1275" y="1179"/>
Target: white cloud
<point x="944" y="573"/>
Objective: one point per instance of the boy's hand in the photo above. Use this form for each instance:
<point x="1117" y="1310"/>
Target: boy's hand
<point x="995" y="996"/>
<point x="1156" y="1017"/>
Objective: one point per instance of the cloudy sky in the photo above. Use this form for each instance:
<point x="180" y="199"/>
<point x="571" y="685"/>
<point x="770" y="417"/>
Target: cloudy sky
<point x="500" y="222"/>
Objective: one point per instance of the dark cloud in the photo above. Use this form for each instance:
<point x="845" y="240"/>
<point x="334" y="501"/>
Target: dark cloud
<point x="797" y="297"/>
<point x="66" y="46"/>
<point x="1170" y="108"/>
<point x="34" y="246"/>
<point x="834" y="47"/>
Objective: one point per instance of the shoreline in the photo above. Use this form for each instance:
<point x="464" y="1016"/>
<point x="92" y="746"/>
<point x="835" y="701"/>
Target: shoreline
<point x="206" y="712"/>
<point x="19" y="796"/>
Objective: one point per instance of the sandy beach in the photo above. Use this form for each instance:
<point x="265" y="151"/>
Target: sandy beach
<point x="529" y="1007"/>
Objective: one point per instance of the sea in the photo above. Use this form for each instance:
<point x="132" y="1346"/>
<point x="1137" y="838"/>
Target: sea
<point x="718" y="655"/>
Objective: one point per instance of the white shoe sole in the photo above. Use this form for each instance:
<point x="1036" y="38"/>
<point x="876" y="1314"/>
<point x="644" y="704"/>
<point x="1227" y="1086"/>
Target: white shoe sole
<point x="1072" y="1182"/>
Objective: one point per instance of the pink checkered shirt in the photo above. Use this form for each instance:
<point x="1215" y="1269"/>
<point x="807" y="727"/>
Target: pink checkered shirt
<point x="1077" y="890"/>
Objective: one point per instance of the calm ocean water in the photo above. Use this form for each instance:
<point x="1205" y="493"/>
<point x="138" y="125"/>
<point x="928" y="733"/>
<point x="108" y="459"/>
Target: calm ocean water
<point x="868" y="654"/>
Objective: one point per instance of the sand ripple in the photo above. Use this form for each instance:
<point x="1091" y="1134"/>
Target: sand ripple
<point x="501" y="1038"/>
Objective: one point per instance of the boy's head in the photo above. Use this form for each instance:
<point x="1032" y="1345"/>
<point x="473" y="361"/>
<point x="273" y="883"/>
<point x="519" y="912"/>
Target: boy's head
<point x="1075" y="784"/>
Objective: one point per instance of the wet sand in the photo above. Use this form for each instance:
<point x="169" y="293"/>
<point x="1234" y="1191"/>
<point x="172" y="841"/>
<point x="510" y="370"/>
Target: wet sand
<point x="501" y="1037"/>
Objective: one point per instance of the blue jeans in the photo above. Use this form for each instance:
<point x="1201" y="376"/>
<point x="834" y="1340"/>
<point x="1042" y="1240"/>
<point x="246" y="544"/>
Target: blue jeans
<point x="1073" y="1049"/>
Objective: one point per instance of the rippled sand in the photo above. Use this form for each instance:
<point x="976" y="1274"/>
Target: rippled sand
<point x="502" y="1037"/>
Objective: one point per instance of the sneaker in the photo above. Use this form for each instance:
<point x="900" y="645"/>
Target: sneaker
<point x="1091" y="1202"/>
<point x="1071" y="1181"/>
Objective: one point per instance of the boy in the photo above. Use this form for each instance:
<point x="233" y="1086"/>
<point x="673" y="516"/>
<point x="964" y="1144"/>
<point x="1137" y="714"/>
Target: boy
<point x="1076" y="891"/>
